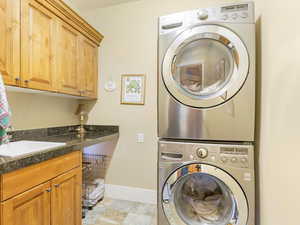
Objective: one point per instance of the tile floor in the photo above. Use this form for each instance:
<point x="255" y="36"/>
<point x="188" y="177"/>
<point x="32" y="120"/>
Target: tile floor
<point x="120" y="212"/>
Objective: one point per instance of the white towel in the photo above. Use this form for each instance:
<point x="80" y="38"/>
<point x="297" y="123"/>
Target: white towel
<point x="4" y="113"/>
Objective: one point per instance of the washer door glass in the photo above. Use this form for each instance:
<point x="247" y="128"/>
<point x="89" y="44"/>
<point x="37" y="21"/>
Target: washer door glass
<point x="202" y="199"/>
<point x="202" y="194"/>
<point x="205" y="66"/>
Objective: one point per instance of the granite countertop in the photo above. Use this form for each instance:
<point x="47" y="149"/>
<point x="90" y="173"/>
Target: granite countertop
<point x="73" y="142"/>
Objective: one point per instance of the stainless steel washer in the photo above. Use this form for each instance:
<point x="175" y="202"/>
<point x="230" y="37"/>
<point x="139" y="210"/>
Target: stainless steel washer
<point x="201" y="184"/>
<point x="207" y="74"/>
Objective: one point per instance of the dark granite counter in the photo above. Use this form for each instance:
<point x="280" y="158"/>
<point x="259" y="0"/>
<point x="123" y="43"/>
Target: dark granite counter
<point x="94" y="135"/>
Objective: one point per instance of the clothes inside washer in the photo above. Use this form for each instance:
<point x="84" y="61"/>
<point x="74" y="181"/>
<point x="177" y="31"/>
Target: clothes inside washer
<point x="204" y="201"/>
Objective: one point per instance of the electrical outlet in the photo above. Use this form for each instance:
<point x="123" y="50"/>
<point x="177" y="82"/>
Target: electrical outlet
<point x="140" y="137"/>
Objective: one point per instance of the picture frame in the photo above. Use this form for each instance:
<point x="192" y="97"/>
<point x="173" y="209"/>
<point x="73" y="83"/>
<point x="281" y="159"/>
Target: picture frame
<point x="133" y="89"/>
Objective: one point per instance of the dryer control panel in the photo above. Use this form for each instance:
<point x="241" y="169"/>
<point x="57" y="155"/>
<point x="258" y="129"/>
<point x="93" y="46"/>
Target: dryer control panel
<point x="237" y="13"/>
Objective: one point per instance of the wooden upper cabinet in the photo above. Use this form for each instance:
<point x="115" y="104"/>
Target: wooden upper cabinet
<point x="10" y="41"/>
<point x="66" y="198"/>
<point x="39" y="33"/>
<point x="45" y="45"/>
<point x="67" y="60"/>
<point x="30" y="208"/>
<point x="89" y="68"/>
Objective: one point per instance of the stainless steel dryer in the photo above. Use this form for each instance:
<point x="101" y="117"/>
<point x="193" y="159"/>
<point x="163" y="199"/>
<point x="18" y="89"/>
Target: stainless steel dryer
<point x="201" y="184"/>
<point x="207" y="74"/>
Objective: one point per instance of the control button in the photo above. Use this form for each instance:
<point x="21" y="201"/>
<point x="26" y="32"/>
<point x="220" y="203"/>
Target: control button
<point x="224" y="17"/>
<point x="202" y="153"/>
<point x="203" y="14"/>
<point x="224" y="159"/>
<point x="234" y="16"/>
<point x="244" y="15"/>
<point x="244" y="160"/>
<point x="233" y="159"/>
<point x="213" y="158"/>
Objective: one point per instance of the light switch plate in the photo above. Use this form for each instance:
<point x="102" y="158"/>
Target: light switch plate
<point x="140" y="137"/>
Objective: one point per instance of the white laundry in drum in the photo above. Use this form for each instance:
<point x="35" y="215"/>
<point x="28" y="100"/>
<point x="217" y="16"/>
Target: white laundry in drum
<point x="205" y="200"/>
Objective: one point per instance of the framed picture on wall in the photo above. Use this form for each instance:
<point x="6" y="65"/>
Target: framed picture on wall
<point x="133" y="89"/>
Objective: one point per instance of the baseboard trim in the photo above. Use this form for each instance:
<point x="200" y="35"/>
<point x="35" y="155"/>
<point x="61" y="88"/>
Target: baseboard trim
<point x="130" y="193"/>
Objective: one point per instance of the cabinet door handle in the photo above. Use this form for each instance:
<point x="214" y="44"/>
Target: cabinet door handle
<point x="56" y="185"/>
<point x="26" y="81"/>
<point x="48" y="190"/>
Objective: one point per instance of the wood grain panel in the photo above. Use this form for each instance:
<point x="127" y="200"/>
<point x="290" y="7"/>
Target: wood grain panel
<point x="63" y="11"/>
<point x="89" y="67"/>
<point x="39" y="33"/>
<point x="68" y="56"/>
<point x="10" y="41"/>
<point x="30" y="208"/>
<point x="18" y="181"/>
<point x="66" y="198"/>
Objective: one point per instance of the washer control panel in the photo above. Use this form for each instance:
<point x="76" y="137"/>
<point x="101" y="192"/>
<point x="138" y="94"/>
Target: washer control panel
<point x="234" y="156"/>
<point x="235" y="12"/>
<point x="226" y="155"/>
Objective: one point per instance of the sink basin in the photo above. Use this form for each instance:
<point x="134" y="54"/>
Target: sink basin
<point x="21" y="148"/>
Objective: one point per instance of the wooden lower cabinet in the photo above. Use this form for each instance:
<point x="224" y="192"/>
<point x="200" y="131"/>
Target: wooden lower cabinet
<point x="30" y="208"/>
<point x="53" y="202"/>
<point x="66" y="199"/>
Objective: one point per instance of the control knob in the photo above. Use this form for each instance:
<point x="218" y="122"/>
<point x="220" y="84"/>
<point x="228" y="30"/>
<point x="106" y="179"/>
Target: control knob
<point x="202" y="153"/>
<point x="224" y="17"/>
<point x="203" y="14"/>
<point x="244" y="15"/>
<point x="224" y="159"/>
<point x="233" y="159"/>
<point x="234" y="16"/>
<point x="244" y="160"/>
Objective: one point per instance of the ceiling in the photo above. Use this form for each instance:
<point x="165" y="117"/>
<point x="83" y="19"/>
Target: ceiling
<point x="89" y="4"/>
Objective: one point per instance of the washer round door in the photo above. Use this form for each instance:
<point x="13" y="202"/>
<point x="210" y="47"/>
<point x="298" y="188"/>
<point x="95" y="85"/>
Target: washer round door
<point x="200" y="194"/>
<point x="205" y="66"/>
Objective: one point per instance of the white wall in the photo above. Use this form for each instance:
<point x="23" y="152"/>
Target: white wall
<point x="129" y="46"/>
<point x="31" y="111"/>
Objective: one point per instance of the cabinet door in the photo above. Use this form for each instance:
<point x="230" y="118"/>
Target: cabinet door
<point x="89" y="68"/>
<point x="67" y="60"/>
<point x="66" y="198"/>
<point x="31" y="207"/>
<point x="39" y="30"/>
<point x="10" y="41"/>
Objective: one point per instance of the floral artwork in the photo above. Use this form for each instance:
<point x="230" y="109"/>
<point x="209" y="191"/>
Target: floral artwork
<point x="133" y="89"/>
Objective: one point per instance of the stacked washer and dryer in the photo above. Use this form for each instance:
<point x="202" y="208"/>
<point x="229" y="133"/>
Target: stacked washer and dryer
<point x="206" y="117"/>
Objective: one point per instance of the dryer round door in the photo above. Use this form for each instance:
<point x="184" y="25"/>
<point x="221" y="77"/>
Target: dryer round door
<point x="200" y="194"/>
<point x="205" y="66"/>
